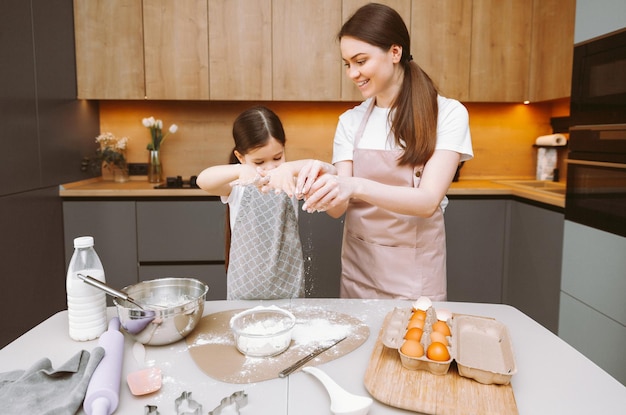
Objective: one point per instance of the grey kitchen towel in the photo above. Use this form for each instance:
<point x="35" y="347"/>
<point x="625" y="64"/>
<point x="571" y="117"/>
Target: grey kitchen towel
<point x="42" y="390"/>
<point x="266" y="260"/>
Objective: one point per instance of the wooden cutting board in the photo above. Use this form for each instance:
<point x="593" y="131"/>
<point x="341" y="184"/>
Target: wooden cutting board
<point x="418" y="390"/>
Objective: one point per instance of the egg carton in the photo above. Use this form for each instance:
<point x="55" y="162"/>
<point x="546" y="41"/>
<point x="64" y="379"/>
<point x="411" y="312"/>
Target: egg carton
<point x="393" y="337"/>
<point x="480" y="346"/>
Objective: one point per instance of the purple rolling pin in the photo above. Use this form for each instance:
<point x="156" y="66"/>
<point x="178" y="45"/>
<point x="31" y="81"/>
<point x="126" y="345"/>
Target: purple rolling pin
<point x="103" y="392"/>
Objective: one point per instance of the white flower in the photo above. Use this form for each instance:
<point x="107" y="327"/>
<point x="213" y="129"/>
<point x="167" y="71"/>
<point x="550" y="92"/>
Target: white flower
<point x="148" y="122"/>
<point x="156" y="132"/>
<point x="121" y="143"/>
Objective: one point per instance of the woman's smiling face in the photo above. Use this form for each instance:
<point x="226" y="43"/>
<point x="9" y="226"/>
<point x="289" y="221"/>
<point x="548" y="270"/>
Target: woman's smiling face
<point x="375" y="72"/>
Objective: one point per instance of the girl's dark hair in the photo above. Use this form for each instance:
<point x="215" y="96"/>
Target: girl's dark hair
<point x="253" y="129"/>
<point x="414" y="112"/>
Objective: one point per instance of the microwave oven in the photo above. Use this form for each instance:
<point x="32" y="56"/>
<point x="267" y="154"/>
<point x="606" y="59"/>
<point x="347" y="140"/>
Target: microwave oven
<point x="598" y="94"/>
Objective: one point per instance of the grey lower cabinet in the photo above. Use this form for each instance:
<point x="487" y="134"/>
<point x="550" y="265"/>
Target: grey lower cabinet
<point x="321" y="237"/>
<point x="113" y="226"/>
<point x="145" y="239"/>
<point x="475" y="241"/>
<point x="505" y="251"/>
<point x="182" y="239"/>
<point x="532" y="279"/>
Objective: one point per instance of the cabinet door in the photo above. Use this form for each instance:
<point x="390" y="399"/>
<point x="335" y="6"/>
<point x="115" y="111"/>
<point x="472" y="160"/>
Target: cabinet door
<point x="475" y="240"/>
<point x="112" y="224"/>
<point x="109" y="49"/>
<point x="305" y="56"/>
<point x="552" y="51"/>
<point x="180" y="231"/>
<point x="500" y="51"/>
<point x="321" y="237"/>
<point x="441" y="35"/>
<point x="20" y="166"/>
<point x="532" y="279"/>
<point x="240" y="49"/>
<point x="176" y="49"/>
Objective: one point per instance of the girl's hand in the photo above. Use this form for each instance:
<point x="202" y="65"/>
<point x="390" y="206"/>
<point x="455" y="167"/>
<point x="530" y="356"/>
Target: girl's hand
<point x="278" y="179"/>
<point x="247" y="175"/>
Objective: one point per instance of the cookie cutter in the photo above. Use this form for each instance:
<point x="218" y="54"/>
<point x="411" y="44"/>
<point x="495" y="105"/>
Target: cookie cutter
<point x="151" y="410"/>
<point x="186" y="406"/>
<point x="239" y="399"/>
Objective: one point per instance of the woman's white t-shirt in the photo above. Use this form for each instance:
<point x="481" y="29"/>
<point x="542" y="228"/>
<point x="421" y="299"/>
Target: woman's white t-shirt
<point x="452" y="130"/>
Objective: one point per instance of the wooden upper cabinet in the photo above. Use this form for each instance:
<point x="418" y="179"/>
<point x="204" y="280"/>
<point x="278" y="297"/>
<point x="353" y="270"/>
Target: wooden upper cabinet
<point x="552" y="50"/>
<point x="176" y="49"/>
<point x="109" y="49"/>
<point x="441" y="36"/>
<point x="306" y="58"/>
<point x="500" y="50"/>
<point x="349" y="91"/>
<point x="287" y="50"/>
<point x="240" y="46"/>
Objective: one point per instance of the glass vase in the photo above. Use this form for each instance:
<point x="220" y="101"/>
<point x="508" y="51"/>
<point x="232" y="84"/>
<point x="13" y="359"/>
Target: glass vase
<point x="155" y="168"/>
<point x="120" y="173"/>
<point x="106" y="171"/>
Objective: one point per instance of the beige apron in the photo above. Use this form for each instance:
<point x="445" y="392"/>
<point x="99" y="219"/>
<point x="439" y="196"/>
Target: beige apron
<point x="385" y="254"/>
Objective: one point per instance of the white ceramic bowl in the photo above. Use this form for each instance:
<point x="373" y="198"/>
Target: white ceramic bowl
<point x="262" y="331"/>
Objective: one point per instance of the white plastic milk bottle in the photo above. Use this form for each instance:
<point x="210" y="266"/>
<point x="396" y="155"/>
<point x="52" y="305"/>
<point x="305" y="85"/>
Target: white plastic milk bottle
<point x="86" y="305"/>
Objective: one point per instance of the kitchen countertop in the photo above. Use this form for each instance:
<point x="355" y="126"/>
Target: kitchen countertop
<point x="138" y="186"/>
<point x="552" y="378"/>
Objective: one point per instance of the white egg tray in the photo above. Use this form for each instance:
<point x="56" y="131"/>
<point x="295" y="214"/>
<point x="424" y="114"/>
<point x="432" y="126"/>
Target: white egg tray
<point x="481" y="346"/>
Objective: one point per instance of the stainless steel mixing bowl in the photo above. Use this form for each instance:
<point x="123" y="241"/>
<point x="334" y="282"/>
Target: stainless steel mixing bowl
<point x="176" y="307"/>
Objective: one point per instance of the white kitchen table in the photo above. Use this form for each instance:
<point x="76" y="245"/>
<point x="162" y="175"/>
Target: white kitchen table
<point x="553" y="378"/>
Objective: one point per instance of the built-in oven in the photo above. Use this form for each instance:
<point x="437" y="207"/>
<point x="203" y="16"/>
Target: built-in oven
<point x="598" y="93"/>
<point x="596" y="177"/>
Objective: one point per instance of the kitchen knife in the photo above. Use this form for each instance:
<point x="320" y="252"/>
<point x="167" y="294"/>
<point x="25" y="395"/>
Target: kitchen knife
<point x="305" y="359"/>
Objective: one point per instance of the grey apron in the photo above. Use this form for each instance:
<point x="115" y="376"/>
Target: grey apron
<point x="266" y="260"/>
<point x="386" y="254"/>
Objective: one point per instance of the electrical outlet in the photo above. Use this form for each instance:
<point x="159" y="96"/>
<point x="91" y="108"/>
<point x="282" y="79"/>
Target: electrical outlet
<point x="138" y="169"/>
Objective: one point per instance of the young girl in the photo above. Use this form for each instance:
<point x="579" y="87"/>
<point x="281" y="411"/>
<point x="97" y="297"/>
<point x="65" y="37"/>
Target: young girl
<point x="265" y="259"/>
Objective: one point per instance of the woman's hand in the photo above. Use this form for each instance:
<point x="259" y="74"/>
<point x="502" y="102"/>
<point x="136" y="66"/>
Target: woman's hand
<point x="329" y="193"/>
<point x="309" y="173"/>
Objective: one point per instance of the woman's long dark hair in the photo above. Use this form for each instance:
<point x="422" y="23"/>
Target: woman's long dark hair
<point x="414" y="111"/>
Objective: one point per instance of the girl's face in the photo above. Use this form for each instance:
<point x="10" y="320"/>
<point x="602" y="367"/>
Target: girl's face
<point x="269" y="156"/>
<point x="375" y="72"/>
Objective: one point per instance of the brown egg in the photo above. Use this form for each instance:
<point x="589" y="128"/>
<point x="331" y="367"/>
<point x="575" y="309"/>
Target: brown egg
<point x="414" y="333"/>
<point x="442" y="327"/>
<point x="437" y="336"/>
<point x="438" y="351"/>
<point x="416" y="322"/>
<point x="412" y="348"/>
<point x="419" y="314"/>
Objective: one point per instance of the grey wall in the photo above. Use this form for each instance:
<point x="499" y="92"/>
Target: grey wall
<point x="598" y="17"/>
<point x="44" y="132"/>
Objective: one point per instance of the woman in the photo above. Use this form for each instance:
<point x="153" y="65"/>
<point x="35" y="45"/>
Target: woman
<point x="395" y="155"/>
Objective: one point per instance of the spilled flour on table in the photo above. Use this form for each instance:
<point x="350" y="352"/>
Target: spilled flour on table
<point x="214" y="349"/>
